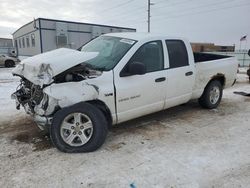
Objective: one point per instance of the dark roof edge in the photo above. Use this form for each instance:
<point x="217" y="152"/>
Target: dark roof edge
<point x="84" y="23"/>
<point x="5" y="38"/>
<point x="24" y="26"/>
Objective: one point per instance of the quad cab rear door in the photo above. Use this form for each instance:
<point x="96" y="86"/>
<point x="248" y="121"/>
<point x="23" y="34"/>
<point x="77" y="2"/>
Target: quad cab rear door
<point x="180" y="72"/>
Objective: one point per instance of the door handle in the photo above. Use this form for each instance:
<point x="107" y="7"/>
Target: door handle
<point x="189" y="73"/>
<point x="160" y="79"/>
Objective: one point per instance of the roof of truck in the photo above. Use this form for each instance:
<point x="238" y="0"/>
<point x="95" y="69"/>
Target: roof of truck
<point x="141" y="36"/>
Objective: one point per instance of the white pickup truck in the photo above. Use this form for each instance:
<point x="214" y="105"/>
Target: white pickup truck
<point x="77" y="95"/>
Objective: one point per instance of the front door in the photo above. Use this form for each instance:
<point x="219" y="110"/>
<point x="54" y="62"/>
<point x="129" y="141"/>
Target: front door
<point x="138" y="95"/>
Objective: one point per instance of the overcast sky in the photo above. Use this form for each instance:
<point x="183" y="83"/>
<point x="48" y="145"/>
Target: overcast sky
<point x="218" y="21"/>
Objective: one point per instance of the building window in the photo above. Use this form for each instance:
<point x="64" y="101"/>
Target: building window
<point x="20" y="45"/>
<point x="33" y="40"/>
<point x="16" y="43"/>
<point x="28" y="41"/>
<point x="23" y="42"/>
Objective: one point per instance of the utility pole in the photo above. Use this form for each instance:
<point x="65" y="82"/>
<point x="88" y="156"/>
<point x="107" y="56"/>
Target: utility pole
<point x="149" y="5"/>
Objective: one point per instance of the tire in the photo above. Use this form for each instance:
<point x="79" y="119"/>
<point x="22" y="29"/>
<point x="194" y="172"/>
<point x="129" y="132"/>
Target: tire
<point x="248" y="73"/>
<point x="9" y="63"/>
<point x="212" y="95"/>
<point x="90" y="139"/>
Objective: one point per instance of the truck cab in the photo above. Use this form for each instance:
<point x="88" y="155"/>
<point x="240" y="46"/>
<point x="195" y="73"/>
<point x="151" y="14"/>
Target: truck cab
<point x="168" y="79"/>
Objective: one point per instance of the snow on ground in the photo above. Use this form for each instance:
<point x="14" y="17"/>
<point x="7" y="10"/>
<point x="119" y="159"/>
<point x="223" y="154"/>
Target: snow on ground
<point x="8" y="85"/>
<point x="185" y="146"/>
<point x="22" y="57"/>
<point x="243" y="70"/>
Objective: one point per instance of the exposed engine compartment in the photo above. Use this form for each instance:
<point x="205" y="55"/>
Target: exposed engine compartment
<point x="30" y="95"/>
<point x="77" y="73"/>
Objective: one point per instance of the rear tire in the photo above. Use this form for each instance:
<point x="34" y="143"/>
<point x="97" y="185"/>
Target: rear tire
<point x="78" y="128"/>
<point x="212" y="95"/>
<point x="248" y="73"/>
<point x="9" y="63"/>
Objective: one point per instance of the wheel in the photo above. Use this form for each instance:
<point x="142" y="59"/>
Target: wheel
<point x="79" y="128"/>
<point x="248" y="73"/>
<point x="212" y="95"/>
<point x="9" y="63"/>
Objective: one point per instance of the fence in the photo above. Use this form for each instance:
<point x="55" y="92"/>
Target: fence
<point x="242" y="56"/>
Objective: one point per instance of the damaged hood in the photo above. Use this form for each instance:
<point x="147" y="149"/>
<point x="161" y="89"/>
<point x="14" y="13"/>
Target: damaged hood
<point x="41" y="69"/>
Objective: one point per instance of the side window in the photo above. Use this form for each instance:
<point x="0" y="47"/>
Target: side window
<point x="33" y="39"/>
<point x="28" y="41"/>
<point x="20" y="45"/>
<point x="23" y="41"/>
<point x="150" y="54"/>
<point x="177" y="52"/>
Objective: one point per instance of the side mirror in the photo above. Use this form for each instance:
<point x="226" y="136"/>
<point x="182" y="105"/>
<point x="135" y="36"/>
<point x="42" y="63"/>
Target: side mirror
<point x="249" y="52"/>
<point x="134" y="68"/>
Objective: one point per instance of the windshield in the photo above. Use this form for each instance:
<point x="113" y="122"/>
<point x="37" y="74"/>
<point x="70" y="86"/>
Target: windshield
<point x="110" y="51"/>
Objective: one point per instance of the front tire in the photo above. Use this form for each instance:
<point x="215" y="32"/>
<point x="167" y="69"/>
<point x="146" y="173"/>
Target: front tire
<point x="9" y="63"/>
<point x="78" y="128"/>
<point x="212" y="95"/>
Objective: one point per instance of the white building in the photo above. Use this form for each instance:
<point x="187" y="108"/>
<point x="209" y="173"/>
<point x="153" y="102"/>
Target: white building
<point x="6" y="47"/>
<point x="5" y="42"/>
<point x="42" y="35"/>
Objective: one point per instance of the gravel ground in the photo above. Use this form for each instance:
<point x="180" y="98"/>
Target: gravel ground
<point x="185" y="146"/>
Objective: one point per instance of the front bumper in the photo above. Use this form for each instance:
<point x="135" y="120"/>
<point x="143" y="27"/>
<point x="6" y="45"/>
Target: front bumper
<point x="43" y="122"/>
<point x="38" y="113"/>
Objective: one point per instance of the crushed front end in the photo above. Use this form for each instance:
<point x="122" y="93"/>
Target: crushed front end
<point x="46" y="79"/>
<point x="35" y="102"/>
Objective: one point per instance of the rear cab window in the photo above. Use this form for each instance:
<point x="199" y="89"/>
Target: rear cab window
<point x="177" y="53"/>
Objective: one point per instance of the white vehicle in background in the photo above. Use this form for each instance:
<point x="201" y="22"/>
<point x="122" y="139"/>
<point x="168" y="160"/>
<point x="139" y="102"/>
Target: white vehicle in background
<point x="77" y="95"/>
<point x="8" y="61"/>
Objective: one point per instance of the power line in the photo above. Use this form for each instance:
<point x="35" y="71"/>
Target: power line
<point x="173" y="4"/>
<point x="199" y="7"/>
<point x="139" y="11"/>
<point x="111" y="8"/>
<point x="140" y="8"/>
<point x="212" y="10"/>
<point x="135" y="21"/>
<point x="132" y="21"/>
<point x="194" y="8"/>
<point x="117" y="6"/>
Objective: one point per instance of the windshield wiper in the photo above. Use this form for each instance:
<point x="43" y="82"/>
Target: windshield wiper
<point x="90" y="66"/>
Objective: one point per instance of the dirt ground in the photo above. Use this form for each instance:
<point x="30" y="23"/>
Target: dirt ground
<point x="185" y="146"/>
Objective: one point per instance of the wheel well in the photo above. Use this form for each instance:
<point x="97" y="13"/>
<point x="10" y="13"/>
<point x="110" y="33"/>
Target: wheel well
<point x="220" y="77"/>
<point x="104" y="109"/>
<point x="9" y="60"/>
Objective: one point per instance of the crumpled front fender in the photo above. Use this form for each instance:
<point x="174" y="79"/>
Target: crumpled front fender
<point x="70" y="93"/>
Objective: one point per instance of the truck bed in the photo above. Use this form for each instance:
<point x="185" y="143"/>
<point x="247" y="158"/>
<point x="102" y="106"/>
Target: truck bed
<point x="211" y="65"/>
<point x="201" y="57"/>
